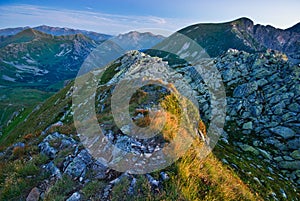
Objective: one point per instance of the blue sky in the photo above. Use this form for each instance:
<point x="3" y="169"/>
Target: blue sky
<point x="119" y="16"/>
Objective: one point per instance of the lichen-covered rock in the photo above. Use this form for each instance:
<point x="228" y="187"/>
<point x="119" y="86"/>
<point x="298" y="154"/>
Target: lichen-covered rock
<point x="248" y="148"/>
<point x="53" y="170"/>
<point x="290" y="165"/>
<point x="46" y="149"/>
<point x="283" y="132"/>
<point x="79" y="164"/>
<point x="245" y="90"/>
<point x="296" y="155"/>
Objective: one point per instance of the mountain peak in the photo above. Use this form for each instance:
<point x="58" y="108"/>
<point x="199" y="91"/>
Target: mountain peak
<point x="295" y="28"/>
<point x="30" y="31"/>
<point x="243" y="21"/>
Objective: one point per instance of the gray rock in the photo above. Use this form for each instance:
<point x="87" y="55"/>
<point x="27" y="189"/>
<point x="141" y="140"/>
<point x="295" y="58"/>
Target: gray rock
<point x="85" y="157"/>
<point x="289" y="117"/>
<point x="284" y="132"/>
<point x="74" y="197"/>
<point x="53" y="170"/>
<point x="34" y="195"/>
<point x="296" y="154"/>
<point x="257" y="180"/>
<point x="245" y="89"/>
<point x="248" y="148"/>
<point x="278" y="159"/>
<point x="152" y="181"/>
<point x="283" y="193"/>
<point x="262" y="82"/>
<point x="248" y="126"/>
<point x="132" y="186"/>
<point x="68" y="142"/>
<point x="255" y="111"/>
<point x="294" y="143"/>
<point x="289" y="165"/>
<point x="164" y="176"/>
<point x="100" y="170"/>
<point x="46" y="149"/>
<point x="78" y="166"/>
<point x="53" y="136"/>
<point x="287" y="158"/>
<point x="19" y="144"/>
<point x="294" y="107"/>
<point x="265" y="154"/>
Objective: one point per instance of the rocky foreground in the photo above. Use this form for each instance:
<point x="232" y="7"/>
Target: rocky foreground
<point x="261" y="131"/>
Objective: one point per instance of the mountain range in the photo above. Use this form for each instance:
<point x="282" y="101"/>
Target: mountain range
<point x="242" y="34"/>
<point x="56" y="31"/>
<point x="40" y="62"/>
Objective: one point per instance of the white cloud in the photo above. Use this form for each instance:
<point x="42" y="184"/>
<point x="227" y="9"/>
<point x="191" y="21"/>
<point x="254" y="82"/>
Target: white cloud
<point x="31" y="15"/>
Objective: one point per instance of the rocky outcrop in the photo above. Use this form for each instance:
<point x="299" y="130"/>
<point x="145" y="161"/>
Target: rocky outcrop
<point x="263" y="97"/>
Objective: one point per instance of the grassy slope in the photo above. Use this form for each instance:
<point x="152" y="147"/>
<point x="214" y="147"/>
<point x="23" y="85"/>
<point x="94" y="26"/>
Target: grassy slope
<point x="217" y="38"/>
<point x="31" y="90"/>
<point x="18" y="99"/>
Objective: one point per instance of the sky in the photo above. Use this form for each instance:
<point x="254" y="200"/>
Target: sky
<point x="120" y="16"/>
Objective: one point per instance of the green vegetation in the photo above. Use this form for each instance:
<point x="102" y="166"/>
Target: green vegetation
<point x="93" y="190"/>
<point x="61" y="189"/>
<point x="109" y="73"/>
<point x="21" y="101"/>
<point x="19" y="176"/>
<point x="39" y="119"/>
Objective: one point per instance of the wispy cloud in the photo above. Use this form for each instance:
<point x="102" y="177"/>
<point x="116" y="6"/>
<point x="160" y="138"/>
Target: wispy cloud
<point x="22" y="15"/>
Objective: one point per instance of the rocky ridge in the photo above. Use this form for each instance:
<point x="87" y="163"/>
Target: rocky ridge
<point x="263" y="107"/>
<point x="262" y="122"/>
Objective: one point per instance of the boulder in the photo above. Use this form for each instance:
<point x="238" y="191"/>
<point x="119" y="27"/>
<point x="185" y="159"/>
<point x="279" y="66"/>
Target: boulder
<point x="289" y="165"/>
<point x="294" y="107"/>
<point x="245" y="90"/>
<point x="265" y="154"/>
<point x="284" y="132"/>
<point x="248" y="126"/>
<point x="34" y="195"/>
<point x="296" y="154"/>
<point x="46" y="149"/>
<point x="294" y="143"/>
<point x="53" y="170"/>
<point x="79" y="164"/>
<point x="248" y="148"/>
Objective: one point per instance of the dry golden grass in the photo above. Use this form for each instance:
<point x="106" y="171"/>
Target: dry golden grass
<point x="206" y="179"/>
<point x="18" y="152"/>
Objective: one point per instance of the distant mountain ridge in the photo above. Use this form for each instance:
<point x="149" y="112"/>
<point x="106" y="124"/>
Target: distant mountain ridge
<point x="242" y="34"/>
<point x="57" y="31"/>
<point x="42" y="60"/>
<point x="134" y="40"/>
<point x="35" y="57"/>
